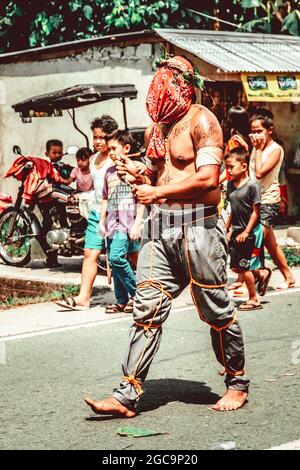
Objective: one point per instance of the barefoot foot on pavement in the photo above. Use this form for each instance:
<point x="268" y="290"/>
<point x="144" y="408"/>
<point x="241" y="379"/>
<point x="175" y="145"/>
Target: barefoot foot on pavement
<point x="110" y="406"/>
<point x="232" y="400"/>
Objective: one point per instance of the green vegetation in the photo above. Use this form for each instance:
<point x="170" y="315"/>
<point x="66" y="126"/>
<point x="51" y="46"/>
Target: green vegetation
<point x="12" y="301"/>
<point x="292" y="256"/>
<point x="40" y="23"/>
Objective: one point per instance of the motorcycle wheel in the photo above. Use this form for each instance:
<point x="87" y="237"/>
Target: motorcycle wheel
<point x="14" y="252"/>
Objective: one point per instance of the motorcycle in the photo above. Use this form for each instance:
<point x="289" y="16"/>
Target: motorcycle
<point x="63" y="233"/>
<point x="19" y="223"/>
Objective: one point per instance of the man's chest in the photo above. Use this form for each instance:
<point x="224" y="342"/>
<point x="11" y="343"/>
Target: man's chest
<point x="180" y="146"/>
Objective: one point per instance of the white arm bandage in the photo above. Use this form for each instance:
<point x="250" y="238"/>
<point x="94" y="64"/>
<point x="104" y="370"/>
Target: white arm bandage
<point x="209" y="156"/>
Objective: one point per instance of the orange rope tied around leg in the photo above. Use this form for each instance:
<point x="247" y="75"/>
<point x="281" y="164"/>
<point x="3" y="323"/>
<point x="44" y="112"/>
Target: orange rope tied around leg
<point x="143" y="285"/>
<point x="147" y="326"/>
<point x="235" y="374"/>
<point x="156" y="284"/>
<point x="218" y="329"/>
<point x="135" y="382"/>
<point x="226" y="370"/>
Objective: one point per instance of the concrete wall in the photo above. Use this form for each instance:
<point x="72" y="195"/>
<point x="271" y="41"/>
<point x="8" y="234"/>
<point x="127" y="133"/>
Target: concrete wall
<point x="23" y="80"/>
<point x="287" y="127"/>
<point x="286" y="124"/>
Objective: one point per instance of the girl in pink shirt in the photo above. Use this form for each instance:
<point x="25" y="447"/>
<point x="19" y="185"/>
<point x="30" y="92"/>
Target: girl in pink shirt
<point x="81" y="174"/>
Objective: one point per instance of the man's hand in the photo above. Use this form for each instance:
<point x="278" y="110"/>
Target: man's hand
<point x="146" y="194"/>
<point x="135" y="231"/>
<point x="127" y="168"/>
<point x="242" y="237"/>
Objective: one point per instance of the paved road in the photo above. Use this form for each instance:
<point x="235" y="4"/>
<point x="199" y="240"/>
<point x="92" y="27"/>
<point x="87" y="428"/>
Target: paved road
<point x="46" y="377"/>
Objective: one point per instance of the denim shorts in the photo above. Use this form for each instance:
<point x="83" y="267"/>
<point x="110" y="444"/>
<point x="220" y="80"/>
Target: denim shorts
<point x="268" y="214"/>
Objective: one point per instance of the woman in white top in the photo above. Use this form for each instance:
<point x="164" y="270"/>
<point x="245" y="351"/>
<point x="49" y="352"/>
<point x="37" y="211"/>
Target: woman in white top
<point x="266" y="159"/>
<point x="94" y="243"/>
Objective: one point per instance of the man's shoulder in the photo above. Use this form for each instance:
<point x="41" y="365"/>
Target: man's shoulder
<point x="201" y="112"/>
<point x="205" y="128"/>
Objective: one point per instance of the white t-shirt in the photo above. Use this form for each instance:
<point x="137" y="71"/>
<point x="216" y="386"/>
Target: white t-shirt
<point x="97" y="175"/>
<point x="269" y="184"/>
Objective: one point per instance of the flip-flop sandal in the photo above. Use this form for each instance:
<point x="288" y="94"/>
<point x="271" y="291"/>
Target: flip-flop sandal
<point x="70" y="304"/>
<point x="115" y="308"/>
<point x="262" y="286"/>
<point x="246" y="306"/>
<point x="129" y="307"/>
<point x="285" y="286"/>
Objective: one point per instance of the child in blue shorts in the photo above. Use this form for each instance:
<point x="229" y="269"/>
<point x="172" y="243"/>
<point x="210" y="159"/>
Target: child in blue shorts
<point x="120" y="222"/>
<point x="246" y="238"/>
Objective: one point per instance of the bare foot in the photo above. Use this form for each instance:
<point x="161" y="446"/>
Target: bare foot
<point x="232" y="400"/>
<point x="287" y="284"/>
<point x="110" y="406"/>
<point x="80" y="302"/>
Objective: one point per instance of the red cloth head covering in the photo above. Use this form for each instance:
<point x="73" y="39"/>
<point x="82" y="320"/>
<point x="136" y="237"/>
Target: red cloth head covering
<point x="169" y="99"/>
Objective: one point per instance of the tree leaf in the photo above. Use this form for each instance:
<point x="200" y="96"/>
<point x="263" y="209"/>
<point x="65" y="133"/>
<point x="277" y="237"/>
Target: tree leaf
<point x="47" y="27"/>
<point x="136" y="18"/>
<point x="254" y="25"/>
<point x="88" y="12"/>
<point x="291" y="23"/>
<point x="90" y="27"/>
<point x="164" y="18"/>
<point x="55" y="20"/>
<point x="75" y="4"/>
<point x="137" y="432"/>
<point x="251" y="3"/>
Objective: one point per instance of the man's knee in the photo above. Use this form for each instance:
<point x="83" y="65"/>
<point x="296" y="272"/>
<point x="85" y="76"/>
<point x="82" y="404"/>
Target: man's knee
<point x="151" y="304"/>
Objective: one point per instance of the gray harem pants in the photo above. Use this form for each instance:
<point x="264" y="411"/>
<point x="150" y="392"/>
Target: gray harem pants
<point x="182" y="247"/>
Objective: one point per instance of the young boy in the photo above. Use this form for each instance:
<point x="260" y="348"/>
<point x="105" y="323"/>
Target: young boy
<point x="81" y="174"/>
<point x="54" y="150"/>
<point x="246" y="238"/>
<point x="120" y="223"/>
<point x="54" y="153"/>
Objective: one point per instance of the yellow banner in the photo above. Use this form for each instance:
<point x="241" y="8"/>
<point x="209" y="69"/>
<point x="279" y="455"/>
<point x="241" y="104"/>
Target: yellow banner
<point x="272" y="86"/>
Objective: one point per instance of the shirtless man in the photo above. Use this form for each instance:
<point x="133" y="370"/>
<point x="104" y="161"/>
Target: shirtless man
<point x="185" y="147"/>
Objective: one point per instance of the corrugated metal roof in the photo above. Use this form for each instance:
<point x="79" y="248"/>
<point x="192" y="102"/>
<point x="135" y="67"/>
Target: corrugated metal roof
<point x="239" y="52"/>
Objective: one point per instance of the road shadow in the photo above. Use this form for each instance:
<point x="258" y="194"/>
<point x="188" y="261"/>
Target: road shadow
<point x="160" y="392"/>
<point x="163" y="391"/>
